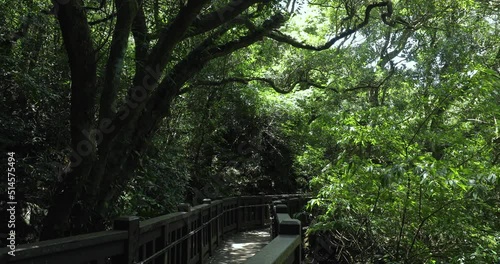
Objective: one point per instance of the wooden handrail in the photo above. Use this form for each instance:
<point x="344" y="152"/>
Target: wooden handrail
<point x="185" y="237"/>
<point x="286" y="247"/>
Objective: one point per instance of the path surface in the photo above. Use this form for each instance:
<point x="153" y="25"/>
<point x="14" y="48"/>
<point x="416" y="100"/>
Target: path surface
<point x="240" y="246"/>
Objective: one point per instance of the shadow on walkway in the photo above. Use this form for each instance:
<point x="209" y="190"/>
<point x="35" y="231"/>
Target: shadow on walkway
<point x="241" y="246"/>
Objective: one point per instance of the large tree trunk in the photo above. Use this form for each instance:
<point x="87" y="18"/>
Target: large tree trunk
<point x="81" y="55"/>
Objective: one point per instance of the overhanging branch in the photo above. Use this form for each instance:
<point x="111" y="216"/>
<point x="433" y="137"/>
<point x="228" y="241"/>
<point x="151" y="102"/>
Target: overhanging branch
<point x="242" y="80"/>
<point x="278" y="36"/>
<point x="247" y="80"/>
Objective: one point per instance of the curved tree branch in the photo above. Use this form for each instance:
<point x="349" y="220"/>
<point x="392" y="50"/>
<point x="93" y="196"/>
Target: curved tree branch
<point x="278" y="36"/>
<point x="246" y="80"/>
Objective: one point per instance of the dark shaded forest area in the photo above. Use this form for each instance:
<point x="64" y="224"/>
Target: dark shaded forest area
<point x="385" y="111"/>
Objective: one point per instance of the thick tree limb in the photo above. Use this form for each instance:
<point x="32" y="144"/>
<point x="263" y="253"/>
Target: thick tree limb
<point x="247" y="40"/>
<point x="221" y="16"/>
<point x="140" y="31"/>
<point x="174" y="33"/>
<point x="313" y="84"/>
<point x="126" y="11"/>
<point x="278" y="36"/>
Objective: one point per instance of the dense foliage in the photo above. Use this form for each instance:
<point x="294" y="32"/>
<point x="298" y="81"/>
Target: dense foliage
<point x="387" y="112"/>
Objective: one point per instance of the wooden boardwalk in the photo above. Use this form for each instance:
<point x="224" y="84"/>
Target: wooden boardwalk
<point x="240" y="246"/>
<point x="147" y="238"/>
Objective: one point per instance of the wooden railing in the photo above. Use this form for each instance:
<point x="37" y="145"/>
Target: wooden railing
<point x="286" y="246"/>
<point x="186" y="237"/>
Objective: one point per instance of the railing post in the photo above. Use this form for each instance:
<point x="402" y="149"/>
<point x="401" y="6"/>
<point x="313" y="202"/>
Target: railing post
<point x="274" y="220"/>
<point x="280" y="209"/>
<point x="130" y="224"/>
<point x="165" y="242"/>
<point x="292" y="227"/>
<point x="209" y="229"/>
<point x="186" y="247"/>
<point x="220" y="221"/>
<point x="199" y="236"/>
<point x="262" y="209"/>
<point x="239" y="214"/>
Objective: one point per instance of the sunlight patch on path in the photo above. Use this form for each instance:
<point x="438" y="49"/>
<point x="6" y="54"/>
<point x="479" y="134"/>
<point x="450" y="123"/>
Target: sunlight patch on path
<point x="241" y="246"/>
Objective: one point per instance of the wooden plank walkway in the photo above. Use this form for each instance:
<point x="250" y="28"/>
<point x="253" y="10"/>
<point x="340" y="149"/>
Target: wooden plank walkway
<point x="241" y="246"/>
